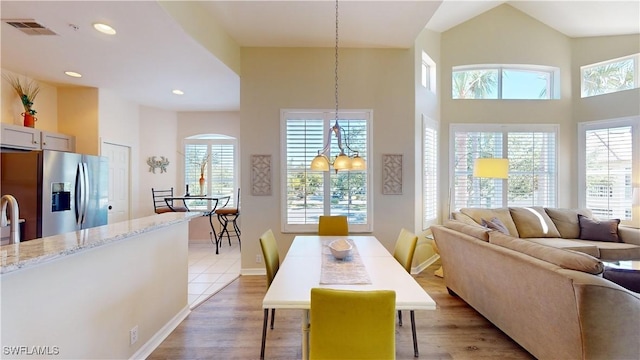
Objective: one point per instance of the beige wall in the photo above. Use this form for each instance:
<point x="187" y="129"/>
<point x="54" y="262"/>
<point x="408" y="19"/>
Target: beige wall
<point x="280" y="78"/>
<point x="505" y="35"/>
<point x="195" y="20"/>
<point x="45" y="104"/>
<point x="78" y="111"/>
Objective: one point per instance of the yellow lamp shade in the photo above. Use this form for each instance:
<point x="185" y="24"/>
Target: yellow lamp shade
<point x="491" y="168"/>
<point x="342" y="162"/>
<point x="358" y="163"/>
<point x="320" y="163"/>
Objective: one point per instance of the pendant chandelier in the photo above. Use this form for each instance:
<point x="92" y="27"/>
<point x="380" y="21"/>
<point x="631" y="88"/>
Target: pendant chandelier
<point x="353" y="161"/>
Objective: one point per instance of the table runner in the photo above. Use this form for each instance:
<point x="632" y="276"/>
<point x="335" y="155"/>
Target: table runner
<point x="351" y="270"/>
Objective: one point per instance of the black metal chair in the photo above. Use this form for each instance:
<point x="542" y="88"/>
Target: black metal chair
<point x="161" y="206"/>
<point x="228" y="215"/>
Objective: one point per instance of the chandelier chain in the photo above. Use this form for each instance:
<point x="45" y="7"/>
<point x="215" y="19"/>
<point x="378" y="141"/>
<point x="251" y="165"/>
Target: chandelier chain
<point x="336" y="67"/>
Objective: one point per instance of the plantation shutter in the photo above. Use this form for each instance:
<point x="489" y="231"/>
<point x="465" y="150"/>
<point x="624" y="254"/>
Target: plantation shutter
<point x="532" y="169"/>
<point x="430" y="176"/>
<point x="608" y="172"/>
<point x="222" y="170"/>
<point x="305" y="189"/>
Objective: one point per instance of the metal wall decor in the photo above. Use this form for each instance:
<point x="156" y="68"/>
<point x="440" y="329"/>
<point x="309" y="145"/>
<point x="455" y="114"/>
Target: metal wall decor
<point x="260" y="175"/>
<point x="392" y="174"/>
<point x="154" y="164"/>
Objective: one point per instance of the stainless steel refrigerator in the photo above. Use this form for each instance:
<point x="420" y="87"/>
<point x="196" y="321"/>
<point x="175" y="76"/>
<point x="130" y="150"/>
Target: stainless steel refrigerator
<point x="57" y="192"/>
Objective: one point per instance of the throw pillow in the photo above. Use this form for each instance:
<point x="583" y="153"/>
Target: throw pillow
<point x="477" y="214"/>
<point x="495" y="224"/>
<point x="627" y="278"/>
<point x="566" y="259"/>
<point x="533" y="222"/>
<point x="599" y="230"/>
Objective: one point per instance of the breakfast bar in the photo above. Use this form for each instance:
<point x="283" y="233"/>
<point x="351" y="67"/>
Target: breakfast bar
<point x="124" y="285"/>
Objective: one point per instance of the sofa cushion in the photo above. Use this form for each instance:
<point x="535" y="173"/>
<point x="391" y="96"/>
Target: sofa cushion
<point x="629" y="234"/>
<point x="566" y="259"/>
<point x="495" y="224"/>
<point x="533" y="222"/>
<point x="566" y="221"/>
<point x="474" y="230"/>
<point x="477" y="214"/>
<point x="601" y="230"/>
<point x="464" y="218"/>
<point x="569" y="244"/>
<point x="614" y="251"/>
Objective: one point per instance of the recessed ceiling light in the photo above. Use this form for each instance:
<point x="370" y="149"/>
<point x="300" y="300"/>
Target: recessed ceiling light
<point x="73" y="74"/>
<point x="104" y="28"/>
<point x="178" y="92"/>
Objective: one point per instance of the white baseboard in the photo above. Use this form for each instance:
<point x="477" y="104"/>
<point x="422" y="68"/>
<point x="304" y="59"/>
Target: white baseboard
<point x="157" y="339"/>
<point x="425" y="264"/>
<point x="253" y="271"/>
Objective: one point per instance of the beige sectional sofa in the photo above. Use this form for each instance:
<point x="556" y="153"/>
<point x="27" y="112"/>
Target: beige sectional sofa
<point x="545" y="291"/>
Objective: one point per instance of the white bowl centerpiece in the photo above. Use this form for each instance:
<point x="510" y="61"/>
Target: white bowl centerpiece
<point x="340" y="248"/>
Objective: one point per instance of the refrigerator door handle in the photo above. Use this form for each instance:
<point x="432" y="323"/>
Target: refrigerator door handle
<point x="80" y="190"/>
<point x="78" y="201"/>
<point x="86" y="192"/>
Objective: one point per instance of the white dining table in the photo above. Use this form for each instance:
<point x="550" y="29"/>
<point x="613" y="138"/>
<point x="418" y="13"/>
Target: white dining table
<point x="301" y="268"/>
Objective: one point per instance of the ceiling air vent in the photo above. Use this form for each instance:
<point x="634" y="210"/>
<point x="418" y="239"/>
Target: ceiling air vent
<point x="29" y="27"/>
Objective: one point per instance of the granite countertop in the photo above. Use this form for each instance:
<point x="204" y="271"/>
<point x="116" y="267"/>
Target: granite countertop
<point x="33" y="252"/>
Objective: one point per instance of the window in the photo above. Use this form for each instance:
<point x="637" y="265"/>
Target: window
<point x="212" y="157"/>
<point x="531" y="150"/>
<point x="527" y="82"/>
<point x="609" y="161"/>
<point x="308" y="194"/>
<point x="610" y="76"/>
<point x="430" y="173"/>
<point x="428" y="72"/>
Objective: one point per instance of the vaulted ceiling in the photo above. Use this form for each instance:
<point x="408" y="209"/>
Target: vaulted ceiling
<point x="151" y="54"/>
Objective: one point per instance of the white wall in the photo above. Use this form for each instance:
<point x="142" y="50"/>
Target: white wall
<point x="203" y="122"/>
<point x="278" y="78"/>
<point x="427" y="104"/>
<point x="119" y="123"/>
<point x="158" y="129"/>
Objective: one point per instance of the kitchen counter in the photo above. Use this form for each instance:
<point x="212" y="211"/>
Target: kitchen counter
<point x="117" y="279"/>
<point x="33" y="252"/>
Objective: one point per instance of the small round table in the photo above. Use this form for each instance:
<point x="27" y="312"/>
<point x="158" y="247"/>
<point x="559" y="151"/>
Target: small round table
<point x="623" y="273"/>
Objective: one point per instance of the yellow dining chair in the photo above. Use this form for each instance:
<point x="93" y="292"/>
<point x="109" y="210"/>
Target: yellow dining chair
<point x="403" y="253"/>
<point x="333" y="225"/>
<point x="348" y="324"/>
<point x="272" y="263"/>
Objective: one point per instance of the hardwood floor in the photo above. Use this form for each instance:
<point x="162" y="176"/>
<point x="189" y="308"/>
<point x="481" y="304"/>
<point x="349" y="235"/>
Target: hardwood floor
<point x="229" y="326"/>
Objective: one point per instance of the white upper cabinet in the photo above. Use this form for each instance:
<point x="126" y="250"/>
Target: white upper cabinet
<point x="26" y="138"/>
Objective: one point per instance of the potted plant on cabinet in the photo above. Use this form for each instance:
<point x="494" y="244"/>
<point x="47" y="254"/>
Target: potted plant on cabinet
<point x="27" y="91"/>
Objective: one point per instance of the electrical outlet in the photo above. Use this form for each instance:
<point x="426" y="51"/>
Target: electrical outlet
<point x="133" y="335"/>
<point x="258" y="259"/>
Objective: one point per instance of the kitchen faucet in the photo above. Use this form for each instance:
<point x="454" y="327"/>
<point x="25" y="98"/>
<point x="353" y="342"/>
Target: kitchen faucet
<point x="14" y="218"/>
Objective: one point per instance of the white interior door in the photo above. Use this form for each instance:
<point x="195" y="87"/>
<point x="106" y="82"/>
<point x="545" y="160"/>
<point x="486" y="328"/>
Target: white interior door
<point x="119" y="164"/>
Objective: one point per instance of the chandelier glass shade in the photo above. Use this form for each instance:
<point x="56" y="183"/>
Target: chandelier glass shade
<point x="344" y="161"/>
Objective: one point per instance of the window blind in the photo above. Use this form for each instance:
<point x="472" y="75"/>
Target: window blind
<point x="608" y="170"/>
<point x="430" y="174"/>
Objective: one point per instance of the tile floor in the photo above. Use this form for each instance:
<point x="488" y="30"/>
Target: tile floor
<point x="208" y="272"/>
